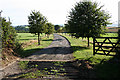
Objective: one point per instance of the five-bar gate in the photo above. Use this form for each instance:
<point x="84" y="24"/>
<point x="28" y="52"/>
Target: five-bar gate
<point x="109" y="46"/>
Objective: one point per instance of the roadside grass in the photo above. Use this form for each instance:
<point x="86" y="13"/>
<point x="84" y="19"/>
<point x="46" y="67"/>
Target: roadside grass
<point x="81" y="51"/>
<point x="30" y="44"/>
<point x="101" y="63"/>
<point x="104" y="66"/>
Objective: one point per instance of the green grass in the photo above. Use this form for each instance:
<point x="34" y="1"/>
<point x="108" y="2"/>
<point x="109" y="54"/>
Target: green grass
<point x="34" y="71"/>
<point x="81" y="51"/>
<point x="105" y="35"/>
<point x="25" y="38"/>
<point x="101" y="62"/>
<point x="23" y="65"/>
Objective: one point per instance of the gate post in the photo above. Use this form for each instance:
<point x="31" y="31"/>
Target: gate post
<point x="118" y="53"/>
<point x="118" y="44"/>
<point x="93" y="45"/>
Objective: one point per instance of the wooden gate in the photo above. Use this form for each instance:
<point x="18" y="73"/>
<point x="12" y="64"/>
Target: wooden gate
<point x="108" y="46"/>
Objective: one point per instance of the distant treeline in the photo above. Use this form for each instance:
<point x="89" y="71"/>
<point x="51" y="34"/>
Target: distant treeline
<point x="59" y="28"/>
<point x="112" y="29"/>
<point x="25" y="29"/>
<point x="22" y="29"/>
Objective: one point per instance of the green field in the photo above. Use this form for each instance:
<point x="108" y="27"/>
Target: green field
<point x="24" y="37"/>
<point x="101" y="63"/>
<point x="105" y="35"/>
<point x="105" y="67"/>
<point x="30" y="44"/>
<point x="81" y="51"/>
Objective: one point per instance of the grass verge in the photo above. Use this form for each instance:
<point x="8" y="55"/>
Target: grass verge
<point x="106" y="67"/>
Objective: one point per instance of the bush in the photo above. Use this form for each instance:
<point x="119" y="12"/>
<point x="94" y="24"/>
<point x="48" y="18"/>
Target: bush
<point x="8" y="36"/>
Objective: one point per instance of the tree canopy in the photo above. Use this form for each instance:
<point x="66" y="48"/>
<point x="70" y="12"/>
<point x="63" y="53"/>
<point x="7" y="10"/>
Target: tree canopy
<point x="36" y="23"/>
<point x="50" y="28"/>
<point x="22" y="29"/>
<point x="8" y="34"/>
<point x="87" y="19"/>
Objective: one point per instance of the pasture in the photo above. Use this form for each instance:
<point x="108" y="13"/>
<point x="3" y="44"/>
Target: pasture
<point x="105" y="66"/>
<point x="81" y="51"/>
<point x="30" y="44"/>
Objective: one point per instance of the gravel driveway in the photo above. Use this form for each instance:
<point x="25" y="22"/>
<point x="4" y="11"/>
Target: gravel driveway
<point x="59" y="49"/>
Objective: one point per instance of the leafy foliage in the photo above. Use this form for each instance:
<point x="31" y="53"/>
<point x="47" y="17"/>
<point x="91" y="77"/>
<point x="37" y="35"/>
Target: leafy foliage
<point x="21" y="29"/>
<point x="49" y="28"/>
<point x="9" y="43"/>
<point x="86" y="19"/>
<point x="58" y="28"/>
<point x="36" y="23"/>
<point x="8" y="34"/>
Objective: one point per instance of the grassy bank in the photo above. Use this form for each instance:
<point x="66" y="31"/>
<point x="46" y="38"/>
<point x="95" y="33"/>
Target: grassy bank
<point x="105" y="66"/>
<point x="81" y="51"/>
<point x="30" y="44"/>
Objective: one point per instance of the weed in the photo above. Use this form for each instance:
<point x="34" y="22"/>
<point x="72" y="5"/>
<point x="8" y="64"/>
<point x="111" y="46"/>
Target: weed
<point x="23" y="64"/>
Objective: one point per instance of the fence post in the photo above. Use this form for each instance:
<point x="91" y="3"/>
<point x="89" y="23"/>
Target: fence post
<point x="118" y="53"/>
<point x="93" y="45"/>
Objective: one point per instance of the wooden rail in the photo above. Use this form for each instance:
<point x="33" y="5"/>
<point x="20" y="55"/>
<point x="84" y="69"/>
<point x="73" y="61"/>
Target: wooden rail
<point x="99" y="47"/>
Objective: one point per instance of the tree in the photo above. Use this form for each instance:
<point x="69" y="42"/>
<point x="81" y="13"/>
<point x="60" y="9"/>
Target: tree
<point x="64" y="29"/>
<point x="22" y="29"/>
<point x="8" y="34"/>
<point x="57" y="27"/>
<point x="86" y="19"/>
<point x="45" y="29"/>
<point x="60" y="30"/>
<point x="49" y="28"/>
<point x="36" y="23"/>
<point x="9" y="45"/>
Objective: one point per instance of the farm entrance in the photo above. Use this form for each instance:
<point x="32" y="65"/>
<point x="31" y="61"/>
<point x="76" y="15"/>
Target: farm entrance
<point x="106" y="46"/>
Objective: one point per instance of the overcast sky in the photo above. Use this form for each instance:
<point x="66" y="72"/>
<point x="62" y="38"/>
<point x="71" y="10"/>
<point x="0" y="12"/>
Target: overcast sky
<point x="56" y="11"/>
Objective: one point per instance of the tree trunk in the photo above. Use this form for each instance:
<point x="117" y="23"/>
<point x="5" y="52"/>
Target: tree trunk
<point x="88" y="41"/>
<point x="47" y="35"/>
<point x="82" y="38"/>
<point x="38" y="38"/>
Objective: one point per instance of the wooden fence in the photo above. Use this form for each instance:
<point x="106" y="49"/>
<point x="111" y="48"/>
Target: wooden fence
<point x="106" y="46"/>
